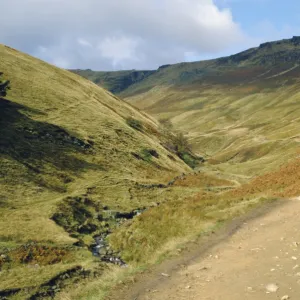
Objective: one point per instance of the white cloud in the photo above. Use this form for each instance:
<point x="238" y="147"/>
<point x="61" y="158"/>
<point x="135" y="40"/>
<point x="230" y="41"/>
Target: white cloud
<point x="266" y="30"/>
<point x="42" y="49"/>
<point x="101" y="34"/>
<point x="119" y="49"/>
<point x="84" y="42"/>
<point x="61" y="62"/>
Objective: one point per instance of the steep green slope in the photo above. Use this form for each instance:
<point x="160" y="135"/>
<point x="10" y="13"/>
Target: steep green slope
<point x="68" y="160"/>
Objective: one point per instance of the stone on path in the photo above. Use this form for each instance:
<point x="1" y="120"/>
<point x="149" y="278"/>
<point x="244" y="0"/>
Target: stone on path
<point x="272" y="288"/>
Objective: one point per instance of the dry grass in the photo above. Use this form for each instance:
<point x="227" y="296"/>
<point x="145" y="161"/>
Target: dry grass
<point x="148" y="234"/>
<point x="203" y="180"/>
<point x="284" y="182"/>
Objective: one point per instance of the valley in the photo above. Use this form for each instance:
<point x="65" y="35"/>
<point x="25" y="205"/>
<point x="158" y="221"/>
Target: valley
<point x="98" y="186"/>
<point x="240" y="112"/>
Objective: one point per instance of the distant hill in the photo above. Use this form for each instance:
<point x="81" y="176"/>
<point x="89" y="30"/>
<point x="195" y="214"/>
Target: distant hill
<point x="238" y="68"/>
<point x="116" y="82"/>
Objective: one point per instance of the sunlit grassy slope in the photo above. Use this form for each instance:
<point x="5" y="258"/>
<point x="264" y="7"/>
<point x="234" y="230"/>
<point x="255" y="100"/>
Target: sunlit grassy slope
<point x="62" y="136"/>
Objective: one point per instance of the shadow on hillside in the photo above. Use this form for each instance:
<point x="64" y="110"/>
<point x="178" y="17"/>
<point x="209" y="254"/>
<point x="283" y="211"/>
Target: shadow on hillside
<point x="44" y="149"/>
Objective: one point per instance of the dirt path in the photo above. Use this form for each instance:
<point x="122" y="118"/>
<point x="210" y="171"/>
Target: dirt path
<point x="248" y="260"/>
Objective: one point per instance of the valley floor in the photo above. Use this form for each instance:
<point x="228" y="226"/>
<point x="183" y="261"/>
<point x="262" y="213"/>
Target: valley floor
<point x="255" y="257"/>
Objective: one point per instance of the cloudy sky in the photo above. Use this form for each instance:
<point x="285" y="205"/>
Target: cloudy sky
<point x="142" y="34"/>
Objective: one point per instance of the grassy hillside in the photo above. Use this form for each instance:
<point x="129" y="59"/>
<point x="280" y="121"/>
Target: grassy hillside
<point x="69" y="158"/>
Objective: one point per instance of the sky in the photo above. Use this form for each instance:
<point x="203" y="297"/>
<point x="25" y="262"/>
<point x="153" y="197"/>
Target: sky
<point x="142" y="34"/>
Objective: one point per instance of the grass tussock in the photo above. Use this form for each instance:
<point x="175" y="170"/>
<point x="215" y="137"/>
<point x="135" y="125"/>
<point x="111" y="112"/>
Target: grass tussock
<point x="136" y="124"/>
<point x="34" y="254"/>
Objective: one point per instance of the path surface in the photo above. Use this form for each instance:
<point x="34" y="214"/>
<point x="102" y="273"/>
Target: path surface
<point x="261" y="255"/>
